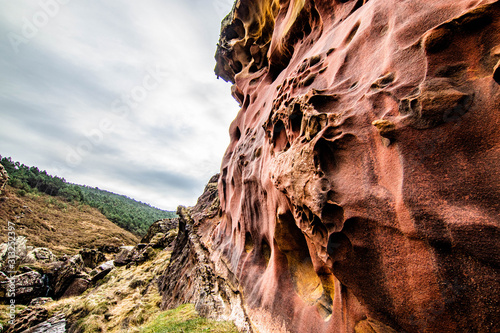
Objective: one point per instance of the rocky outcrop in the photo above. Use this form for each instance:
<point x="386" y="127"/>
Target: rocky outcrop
<point x="92" y="257"/>
<point x="4" y="178"/>
<point x="43" y="277"/>
<point x="160" y="227"/>
<point x="35" y="319"/>
<point x="102" y="270"/>
<point x="28" y="318"/>
<point x="360" y="191"/>
<point x="17" y="253"/>
<point x="13" y="253"/>
<point x="70" y="277"/>
<point x="134" y="254"/>
<point x="193" y="276"/>
<point x="39" y="255"/>
<point x="161" y="235"/>
<point x="55" y="324"/>
<point x="22" y="287"/>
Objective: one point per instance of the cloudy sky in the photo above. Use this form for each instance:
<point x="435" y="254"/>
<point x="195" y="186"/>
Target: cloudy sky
<point x="116" y="94"/>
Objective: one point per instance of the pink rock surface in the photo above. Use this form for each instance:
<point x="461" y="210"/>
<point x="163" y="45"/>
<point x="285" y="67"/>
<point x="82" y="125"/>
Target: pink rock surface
<point x="361" y="188"/>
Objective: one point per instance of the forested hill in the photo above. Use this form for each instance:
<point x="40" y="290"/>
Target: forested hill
<point x="127" y="213"/>
<point x="123" y="210"/>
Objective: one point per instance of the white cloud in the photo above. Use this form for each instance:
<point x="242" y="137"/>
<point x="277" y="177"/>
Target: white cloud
<point x="61" y="85"/>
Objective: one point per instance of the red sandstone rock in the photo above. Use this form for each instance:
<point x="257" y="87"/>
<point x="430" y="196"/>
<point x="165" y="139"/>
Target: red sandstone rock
<point x="360" y="191"/>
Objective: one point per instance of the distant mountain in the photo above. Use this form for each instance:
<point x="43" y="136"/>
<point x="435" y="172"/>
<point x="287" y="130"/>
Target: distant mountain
<point x="127" y="213"/>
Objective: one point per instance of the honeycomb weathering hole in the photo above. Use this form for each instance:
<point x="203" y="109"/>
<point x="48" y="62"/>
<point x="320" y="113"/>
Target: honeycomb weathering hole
<point x="249" y="245"/>
<point x="339" y="246"/>
<point x="311" y="288"/>
<point x="265" y="251"/>
<point x="296" y="122"/>
<point x="352" y="33"/>
<point x="280" y="139"/>
<point x="332" y="216"/>
<point x="324" y="156"/>
<point x="323" y="103"/>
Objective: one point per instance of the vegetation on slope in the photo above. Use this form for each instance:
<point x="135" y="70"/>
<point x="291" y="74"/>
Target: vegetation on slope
<point x="63" y="227"/>
<point x="129" y="214"/>
<point x="128" y="300"/>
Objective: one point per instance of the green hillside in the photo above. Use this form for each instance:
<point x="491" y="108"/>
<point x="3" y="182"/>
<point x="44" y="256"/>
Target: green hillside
<point x="127" y="213"/>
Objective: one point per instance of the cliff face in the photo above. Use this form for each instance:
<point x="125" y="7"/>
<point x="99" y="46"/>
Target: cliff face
<point x="360" y="191"/>
<point x="194" y="275"/>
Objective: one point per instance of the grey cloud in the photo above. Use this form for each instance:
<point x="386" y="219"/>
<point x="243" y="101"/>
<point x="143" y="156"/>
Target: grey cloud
<point x="55" y="94"/>
<point x="32" y="116"/>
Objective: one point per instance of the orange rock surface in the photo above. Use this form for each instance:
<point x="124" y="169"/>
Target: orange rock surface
<point x="361" y="188"/>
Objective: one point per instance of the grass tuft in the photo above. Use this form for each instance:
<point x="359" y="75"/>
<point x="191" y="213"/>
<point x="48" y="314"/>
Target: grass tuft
<point x="185" y="319"/>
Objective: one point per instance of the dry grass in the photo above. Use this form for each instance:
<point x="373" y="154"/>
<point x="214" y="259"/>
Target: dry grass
<point x="61" y="226"/>
<point x="5" y="314"/>
<point x="128" y="300"/>
<point x="122" y="302"/>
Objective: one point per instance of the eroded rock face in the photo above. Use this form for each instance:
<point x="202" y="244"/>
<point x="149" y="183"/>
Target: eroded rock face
<point x="360" y="190"/>
<point x="193" y="275"/>
<point x="92" y="257"/>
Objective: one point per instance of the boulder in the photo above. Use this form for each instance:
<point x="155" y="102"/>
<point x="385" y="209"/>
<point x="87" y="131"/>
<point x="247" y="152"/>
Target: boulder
<point x="76" y="287"/>
<point x="66" y="273"/>
<point x="124" y="256"/>
<point x="109" y="249"/>
<point x="4" y="178"/>
<point x="39" y="255"/>
<point x="24" y="287"/>
<point x="92" y="257"/>
<point x="16" y="251"/>
<point x="144" y="254"/>
<point x="101" y="271"/>
<point x="161" y="226"/>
